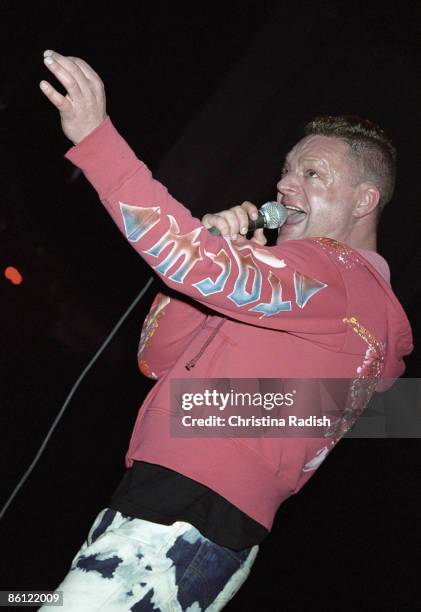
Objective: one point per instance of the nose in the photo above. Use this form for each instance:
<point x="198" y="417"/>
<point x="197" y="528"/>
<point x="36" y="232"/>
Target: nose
<point x="288" y="184"/>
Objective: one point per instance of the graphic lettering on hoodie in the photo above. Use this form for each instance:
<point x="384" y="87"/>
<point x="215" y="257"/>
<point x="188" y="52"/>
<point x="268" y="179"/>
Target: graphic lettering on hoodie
<point x="185" y="253"/>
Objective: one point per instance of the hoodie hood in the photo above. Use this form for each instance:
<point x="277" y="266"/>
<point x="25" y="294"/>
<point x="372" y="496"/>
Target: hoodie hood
<point x="400" y="339"/>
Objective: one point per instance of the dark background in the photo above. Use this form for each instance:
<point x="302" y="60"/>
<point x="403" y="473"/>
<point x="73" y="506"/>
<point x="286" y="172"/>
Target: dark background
<point x="211" y="97"/>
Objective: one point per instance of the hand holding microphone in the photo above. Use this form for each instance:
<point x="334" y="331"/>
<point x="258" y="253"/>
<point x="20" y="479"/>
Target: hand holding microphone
<point x="239" y="220"/>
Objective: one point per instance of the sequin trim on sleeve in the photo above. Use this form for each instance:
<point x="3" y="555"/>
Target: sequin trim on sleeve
<point x="363" y="386"/>
<point x="150" y="325"/>
<point x="345" y="256"/>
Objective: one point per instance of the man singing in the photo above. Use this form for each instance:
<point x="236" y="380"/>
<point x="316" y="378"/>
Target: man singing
<point x="183" y="528"/>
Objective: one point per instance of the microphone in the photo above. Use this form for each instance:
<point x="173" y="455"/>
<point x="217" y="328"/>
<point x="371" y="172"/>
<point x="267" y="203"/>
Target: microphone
<point x="271" y="215"/>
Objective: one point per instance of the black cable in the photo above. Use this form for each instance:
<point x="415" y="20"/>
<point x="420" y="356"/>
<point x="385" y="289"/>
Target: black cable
<point x="69" y="397"/>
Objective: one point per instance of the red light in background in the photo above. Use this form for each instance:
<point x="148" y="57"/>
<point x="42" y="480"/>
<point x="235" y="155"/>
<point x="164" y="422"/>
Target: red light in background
<point x="13" y="275"/>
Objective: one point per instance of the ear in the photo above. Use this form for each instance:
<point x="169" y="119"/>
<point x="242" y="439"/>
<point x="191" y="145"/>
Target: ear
<point x="368" y="198"/>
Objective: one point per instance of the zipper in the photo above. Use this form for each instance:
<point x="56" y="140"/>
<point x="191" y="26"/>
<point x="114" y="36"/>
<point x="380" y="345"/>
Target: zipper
<point x="190" y="364"/>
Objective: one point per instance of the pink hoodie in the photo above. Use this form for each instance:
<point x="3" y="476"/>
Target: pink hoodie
<point x="311" y="308"/>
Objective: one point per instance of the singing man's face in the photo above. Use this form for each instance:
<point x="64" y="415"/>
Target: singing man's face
<point x="320" y="178"/>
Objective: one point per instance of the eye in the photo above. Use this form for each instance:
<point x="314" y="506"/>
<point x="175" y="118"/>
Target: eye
<point x="312" y="173"/>
<point x="284" y="171"/>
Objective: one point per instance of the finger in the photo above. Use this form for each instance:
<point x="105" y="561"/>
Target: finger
<point x="59" y="101"/>
<point x="259" y="237"/>
<point x="251" y="209"/>
<point x="65" y="61"/>
<point x="221" y="221"/>
<point x="64" y="76"/>
<point x="93" y="78"/>
<point x="217" y="221"/>
<point x="242" y="219"/>
<point x="232" y="219"/>
<point x="87" y="70"/>
<point x="83" y="74"/>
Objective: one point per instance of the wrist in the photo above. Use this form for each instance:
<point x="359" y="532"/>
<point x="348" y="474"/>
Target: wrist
<point x="86" y="133"/>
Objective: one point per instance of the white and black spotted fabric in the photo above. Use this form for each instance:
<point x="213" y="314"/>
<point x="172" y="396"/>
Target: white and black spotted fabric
<point x="129" y="564"/>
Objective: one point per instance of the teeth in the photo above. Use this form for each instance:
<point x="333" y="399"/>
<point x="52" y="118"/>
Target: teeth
<point x="293" y="208"/>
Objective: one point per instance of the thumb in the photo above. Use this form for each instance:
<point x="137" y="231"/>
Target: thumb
<point x="259" y="237"/>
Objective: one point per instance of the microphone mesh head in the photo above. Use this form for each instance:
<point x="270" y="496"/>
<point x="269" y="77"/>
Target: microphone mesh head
<point x="274" y="213"/>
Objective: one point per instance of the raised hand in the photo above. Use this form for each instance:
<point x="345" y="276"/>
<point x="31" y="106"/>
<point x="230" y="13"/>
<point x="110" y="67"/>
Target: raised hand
<point x="83" y="108"/>
<point x="234" y="222"/>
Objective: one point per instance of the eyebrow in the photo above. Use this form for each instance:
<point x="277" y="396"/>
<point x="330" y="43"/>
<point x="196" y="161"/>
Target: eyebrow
<point x="306" y="159"/>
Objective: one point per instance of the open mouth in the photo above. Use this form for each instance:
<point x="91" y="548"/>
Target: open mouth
<point x="295" y="215"/>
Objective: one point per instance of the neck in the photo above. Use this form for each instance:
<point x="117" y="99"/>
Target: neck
<point x="363" y="238"/>
<point x="370" y="244"/>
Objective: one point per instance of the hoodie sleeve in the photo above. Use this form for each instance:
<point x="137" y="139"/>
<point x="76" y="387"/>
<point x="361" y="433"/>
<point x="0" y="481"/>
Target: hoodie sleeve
<point x="294" y="287"/>
<point x="167" y="330"/>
